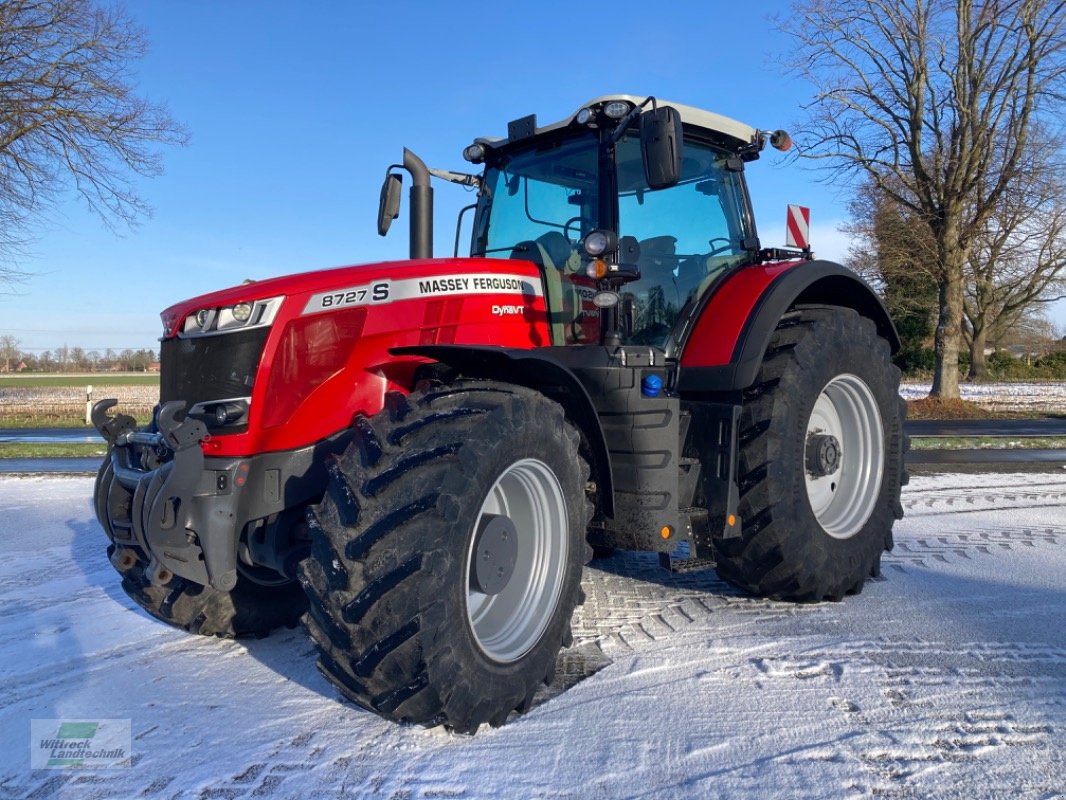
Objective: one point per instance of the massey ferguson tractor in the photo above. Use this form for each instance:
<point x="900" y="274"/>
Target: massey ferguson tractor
<point x="418" y="457"/>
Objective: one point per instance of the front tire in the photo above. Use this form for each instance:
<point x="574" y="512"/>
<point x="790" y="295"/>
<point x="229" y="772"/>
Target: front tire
<point x="447" y="553"/>
<point x="821" y="460"/>
<point x="250" y="610"/>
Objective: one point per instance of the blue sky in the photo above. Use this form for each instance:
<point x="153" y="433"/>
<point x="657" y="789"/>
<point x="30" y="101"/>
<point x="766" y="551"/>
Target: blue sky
<point x="296" y="109"/>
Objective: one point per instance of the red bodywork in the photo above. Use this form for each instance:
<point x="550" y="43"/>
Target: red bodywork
<point x="302" y="395"/>
<point x="296" y="402"/>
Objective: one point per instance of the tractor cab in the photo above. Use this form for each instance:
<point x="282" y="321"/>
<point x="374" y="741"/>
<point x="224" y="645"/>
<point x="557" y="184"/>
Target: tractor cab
<point x="632" y="208"/>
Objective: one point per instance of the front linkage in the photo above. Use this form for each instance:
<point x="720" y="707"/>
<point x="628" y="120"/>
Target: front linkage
<point x="153" y="492"/>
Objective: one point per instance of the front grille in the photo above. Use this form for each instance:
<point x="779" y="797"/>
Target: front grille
<point x="204" y="368"/>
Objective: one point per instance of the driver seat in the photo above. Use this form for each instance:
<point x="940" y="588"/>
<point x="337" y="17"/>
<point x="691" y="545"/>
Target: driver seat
<point x="555" y="254"/>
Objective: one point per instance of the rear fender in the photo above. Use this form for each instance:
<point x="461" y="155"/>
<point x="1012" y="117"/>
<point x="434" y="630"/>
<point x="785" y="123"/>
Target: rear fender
<point x="728" y="342"/>
<point x="536" y="370"/>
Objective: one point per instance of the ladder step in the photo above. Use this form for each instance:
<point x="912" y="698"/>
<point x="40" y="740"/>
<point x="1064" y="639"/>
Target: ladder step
<point x="685" y="564"/>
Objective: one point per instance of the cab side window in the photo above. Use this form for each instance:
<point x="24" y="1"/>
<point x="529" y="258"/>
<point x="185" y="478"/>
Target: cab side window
<point x="686" y="234"/>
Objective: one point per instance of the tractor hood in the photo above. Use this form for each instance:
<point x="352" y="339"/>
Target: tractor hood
<point x="384" y="282"/>
<point x="280" y="364"/>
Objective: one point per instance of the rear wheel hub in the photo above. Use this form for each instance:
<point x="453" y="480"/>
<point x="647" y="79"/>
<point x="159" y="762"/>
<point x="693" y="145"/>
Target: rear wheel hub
<point x="823" y="454"/>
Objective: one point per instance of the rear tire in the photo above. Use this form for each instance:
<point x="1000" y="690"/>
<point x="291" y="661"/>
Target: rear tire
<point x="405" y="623"/>
<point x="821" y="460"/>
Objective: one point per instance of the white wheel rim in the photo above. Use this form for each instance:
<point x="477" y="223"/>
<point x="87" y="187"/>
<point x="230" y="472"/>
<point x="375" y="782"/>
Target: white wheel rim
<point x="508" y="624"/>
<point x="843" y="500"/>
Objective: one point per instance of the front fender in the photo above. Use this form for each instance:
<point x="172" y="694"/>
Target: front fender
<point x="536" y="369"/>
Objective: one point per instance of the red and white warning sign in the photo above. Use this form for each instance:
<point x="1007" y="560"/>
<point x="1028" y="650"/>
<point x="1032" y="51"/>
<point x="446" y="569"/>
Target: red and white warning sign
<point x="798" y="227"/>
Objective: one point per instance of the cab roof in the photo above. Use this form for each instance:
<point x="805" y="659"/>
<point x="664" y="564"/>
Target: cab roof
<point x="691" y="116"/>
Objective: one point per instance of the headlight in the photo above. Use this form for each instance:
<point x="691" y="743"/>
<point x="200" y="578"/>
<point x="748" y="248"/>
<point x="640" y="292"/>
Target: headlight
<point x="605" y="299"/>
<point x="474" y="153"/>
<point x="222" y="413"/>
<point x="243" y="315"/>
<point x="617" y="109"/>
<point x="598" y="242"/>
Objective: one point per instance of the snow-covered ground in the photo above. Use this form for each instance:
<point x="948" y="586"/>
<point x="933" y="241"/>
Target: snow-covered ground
<point x="946" y="678"/>
<point x="1035" y="397"/>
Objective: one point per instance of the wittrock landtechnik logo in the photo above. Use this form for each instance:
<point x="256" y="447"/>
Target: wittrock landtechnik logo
<point x="80" y="743"/>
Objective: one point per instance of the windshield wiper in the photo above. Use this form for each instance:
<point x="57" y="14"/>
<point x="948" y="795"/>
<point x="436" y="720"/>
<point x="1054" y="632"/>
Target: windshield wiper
<point x="518" y="248"/>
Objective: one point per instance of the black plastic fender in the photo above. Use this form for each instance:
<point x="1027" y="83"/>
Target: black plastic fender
<point x="813" y="283"/>
<point x="536" y="369"/>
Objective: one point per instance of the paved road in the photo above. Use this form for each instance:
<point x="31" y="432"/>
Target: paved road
<point x="49" y="435"/>
<point x="984" y="427"/>
<point x="997" y="460"/>
<point x="1004" y="428"/>
<point x="1019" y="455"/>
<point x="33" y="466"/>
<point x="917" y="427"/>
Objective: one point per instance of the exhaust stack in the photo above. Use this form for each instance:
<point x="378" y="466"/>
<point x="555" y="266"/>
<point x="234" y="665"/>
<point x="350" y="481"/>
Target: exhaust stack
<point x="421" y="206"/>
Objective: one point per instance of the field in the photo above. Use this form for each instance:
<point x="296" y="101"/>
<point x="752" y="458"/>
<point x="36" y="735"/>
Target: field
<point x="36" y="381"/>
<point x="59" y="400"/>
<point x="987" y="443"/>
<point x="1030" y="398"/>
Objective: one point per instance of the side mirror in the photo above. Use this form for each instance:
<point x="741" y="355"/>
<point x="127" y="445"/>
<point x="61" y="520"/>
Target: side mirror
<point x="661" y="141"/>
<point x="389" y="204"/>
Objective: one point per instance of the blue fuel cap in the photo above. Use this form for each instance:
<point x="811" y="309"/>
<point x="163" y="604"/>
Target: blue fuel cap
<point x="651" y="386"/>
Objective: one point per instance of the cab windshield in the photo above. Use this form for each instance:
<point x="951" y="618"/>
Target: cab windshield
<point x="537" y="203"/>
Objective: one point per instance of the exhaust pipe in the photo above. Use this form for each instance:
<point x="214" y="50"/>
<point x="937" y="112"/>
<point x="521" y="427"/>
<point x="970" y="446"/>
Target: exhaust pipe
<point x="421" y="206"/>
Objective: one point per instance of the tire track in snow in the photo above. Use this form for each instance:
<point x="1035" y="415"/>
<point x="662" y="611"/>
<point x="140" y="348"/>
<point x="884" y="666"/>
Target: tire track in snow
<point x="965" y="544"/>
<point x="915" y="725"/>
<point x="982" y="500"/>
<point x="633" y="604"/>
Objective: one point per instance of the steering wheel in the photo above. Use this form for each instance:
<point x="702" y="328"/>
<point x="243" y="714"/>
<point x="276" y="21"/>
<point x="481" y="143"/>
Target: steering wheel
<point x="722" y="248"/>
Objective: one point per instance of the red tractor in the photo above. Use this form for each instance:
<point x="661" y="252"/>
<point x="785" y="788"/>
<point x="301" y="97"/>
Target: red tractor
<point x="418" y="457"/>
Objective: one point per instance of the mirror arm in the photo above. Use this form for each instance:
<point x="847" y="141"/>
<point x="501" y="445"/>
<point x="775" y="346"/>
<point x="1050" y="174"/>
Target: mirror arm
<point x="462" y="178"/>
<point x="627" y="120"/>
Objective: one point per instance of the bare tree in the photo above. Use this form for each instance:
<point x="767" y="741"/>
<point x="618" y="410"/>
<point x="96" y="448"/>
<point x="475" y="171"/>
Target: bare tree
<point x="1018" y="261"/>
<point x="933" y="101"/>
<point x="1016" y="265"/>
<point x="9" y="353"/>
<point x="894" y="251"/>
<point x="1029" y="338"/>
<point x="69" y="115"/>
